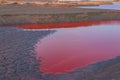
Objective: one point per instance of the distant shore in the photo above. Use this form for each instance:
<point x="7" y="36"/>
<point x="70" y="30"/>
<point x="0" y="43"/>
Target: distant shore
<point x="32" y="14"/>
<point x="57" y="3"/>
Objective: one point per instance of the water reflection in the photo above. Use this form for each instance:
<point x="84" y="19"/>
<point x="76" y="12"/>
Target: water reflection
<point x="71" y="48"/>
<point x="112" y="6"/>
<point x="66" y="24"/>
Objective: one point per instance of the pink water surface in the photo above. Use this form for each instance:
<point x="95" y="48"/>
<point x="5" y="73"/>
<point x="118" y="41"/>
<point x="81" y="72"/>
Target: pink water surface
<point x="71" y="48"/>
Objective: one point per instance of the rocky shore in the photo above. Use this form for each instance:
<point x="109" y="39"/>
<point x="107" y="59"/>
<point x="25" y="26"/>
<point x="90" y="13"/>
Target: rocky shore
<point x="27" y="14"/>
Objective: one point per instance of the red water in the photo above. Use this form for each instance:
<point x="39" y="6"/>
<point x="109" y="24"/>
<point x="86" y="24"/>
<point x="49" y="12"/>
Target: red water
<point x="65" y="24"/>
<point x="71" y="48"/>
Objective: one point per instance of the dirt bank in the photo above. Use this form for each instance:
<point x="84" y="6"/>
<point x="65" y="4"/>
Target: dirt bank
<point x="27" y="14"/>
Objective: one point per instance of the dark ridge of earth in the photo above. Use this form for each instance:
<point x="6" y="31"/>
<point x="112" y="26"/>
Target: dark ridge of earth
<point x="17" y="58"/>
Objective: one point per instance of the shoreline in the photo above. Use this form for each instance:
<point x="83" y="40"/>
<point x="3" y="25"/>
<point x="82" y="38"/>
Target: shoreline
<point x="56" y="18"/>
<point x="64" y="24"/>
<point x="17" y="56"/>
<point x="17" y="14"/>
<point x="57" y="3"/>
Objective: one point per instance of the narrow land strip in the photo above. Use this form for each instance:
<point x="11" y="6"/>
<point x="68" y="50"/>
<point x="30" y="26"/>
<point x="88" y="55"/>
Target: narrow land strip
<point x="31" y="14"/>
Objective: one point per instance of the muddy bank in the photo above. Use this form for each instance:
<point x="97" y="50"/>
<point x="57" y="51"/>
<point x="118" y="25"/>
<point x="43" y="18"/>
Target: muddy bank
<point x="16" y="14"/>
<point x="17" y="58"/>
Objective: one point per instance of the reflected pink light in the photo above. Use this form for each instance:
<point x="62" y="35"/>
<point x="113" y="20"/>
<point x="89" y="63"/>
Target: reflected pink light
<point x="72" y="48"/>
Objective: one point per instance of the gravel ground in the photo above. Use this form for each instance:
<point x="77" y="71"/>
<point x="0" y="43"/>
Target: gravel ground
<point x="17" y="58"/>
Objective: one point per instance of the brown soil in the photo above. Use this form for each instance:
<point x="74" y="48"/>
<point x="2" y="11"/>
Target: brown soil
<point x="31" y="14"/>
